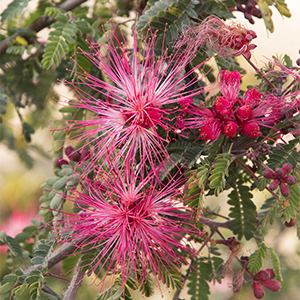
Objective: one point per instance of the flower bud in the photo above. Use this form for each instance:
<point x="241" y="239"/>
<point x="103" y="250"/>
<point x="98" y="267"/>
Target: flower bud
<point x="290" y="180"/>
<point x="252" y="129"/>
<point x="269" y="174"/>
<point x="230" y="129"/>
<point x="285" y="192"/>
<point x="291" y="223"/>
<point x="261" y="275"/>
<point x="286" y="168"/>
<point x="75" y="156"/>
<point x="258" y="291"/>
<point x="271" y="273"/>
<point x="278" y="172"/>
<point x="274" y="184"/>
<point x="85" y="153"/>
<point x="60" y="161"/>
<point x="69" y="150"/>
<point x="273" y="285"/>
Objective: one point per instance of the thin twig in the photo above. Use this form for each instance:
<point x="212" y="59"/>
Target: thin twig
<point x="74" y="286"/>
<point x="260" y="73"/>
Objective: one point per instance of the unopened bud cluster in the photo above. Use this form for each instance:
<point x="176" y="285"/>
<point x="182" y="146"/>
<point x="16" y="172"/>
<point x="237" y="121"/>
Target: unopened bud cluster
<point x="72" y="155"/>
<point x="264" y="278"/>
<point x="281" y="178"/>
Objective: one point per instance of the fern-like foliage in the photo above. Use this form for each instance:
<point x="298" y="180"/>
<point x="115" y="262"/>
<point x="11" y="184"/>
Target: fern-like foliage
<point x="198" y="288"/>
<point x="243" y="211"/>
<point x="284" y="154"/>
<point x="275" y="264"/>
<point x="268" y="212"/>
<point x="256" y="258"/>
<point x="219" y="172"/>
<point x="171" y="16"/>
<point x="60" y="39"/>
<point x="14" y="8"/>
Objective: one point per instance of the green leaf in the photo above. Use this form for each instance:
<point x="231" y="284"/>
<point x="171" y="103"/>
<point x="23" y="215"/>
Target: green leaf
<point x="275" y="264"/>
<point x="7" y="287"/>
<point x="284" y="154"/>
<point x="172" y="15"/>
<point x="256" y="258"/>
<point x="14" y="8"/>
<point x="198" y="288"/>
<point x="219" y="172"/>
<point x="243" y="212"/>
<point x="59" y="40"/>
<point x="37" y="260"/>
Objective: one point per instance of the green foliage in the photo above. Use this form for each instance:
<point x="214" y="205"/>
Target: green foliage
<point x="11" y="243"/>
<point x="110" y="294"/>
<point x="219" y="172"/>
<point x="243" y="211"/>
<point x="275" y="264"/>
<point x="284" y="154"/>
<point x="13" y="9"/>
<point x="198" y="288"/>
<point x="268" y="212"/>
<point x="63" y="34"/>
<point x="170" y="16"/>
<point x="256" y="258"/>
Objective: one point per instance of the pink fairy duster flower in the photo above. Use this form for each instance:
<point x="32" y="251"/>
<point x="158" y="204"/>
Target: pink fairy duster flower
<point x="138" y="96"/>
<point x="136" y="224"/>
<point x="226" y="40"/>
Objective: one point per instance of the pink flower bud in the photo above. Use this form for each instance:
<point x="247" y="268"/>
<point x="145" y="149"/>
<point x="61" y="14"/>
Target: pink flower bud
<point x="290" y="180"/>
<point x="278" y="172"/>
<point x="75" y="156"/>
<point x="222" y="105"/>
<point x="291" y="223"/>
<point x="69" y="150"/>
<point x="245" y="112"/>
<point x="252" y="129"/>
<point x="271" y="273"/>
<point x="274" y="185"/>
<point x="273" y="285"/>
<point x="286" y="168"/>
<point x="85" y="153"/>
<point x="269" y="174"/>
<point x="258" y="291"/>
<point x="230" y="129"/>
<point x="261" y="275"/>
<point x="285" y="192"/>
<point x="60" y="161"/>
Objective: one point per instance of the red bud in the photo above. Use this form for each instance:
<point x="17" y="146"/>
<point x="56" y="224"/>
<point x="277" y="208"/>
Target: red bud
<point x="274" y="184"/>
<point x="291" y="223"/>
<point x="69" y="150"/>
<point x="269" y="174"/>
<point x="261" y="275"/>
<point x="290" y="180"/>
<point x="286" y="168"/>
<point x="60" y="161"/>
<point x="258" y="291"/>
<point x="285" y="192"/>
<point x="273" y="285"/>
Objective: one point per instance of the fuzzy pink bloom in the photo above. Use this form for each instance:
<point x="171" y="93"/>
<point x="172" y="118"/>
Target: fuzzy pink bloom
<point x="136" y="226"/>
<point x="138" y="96"/>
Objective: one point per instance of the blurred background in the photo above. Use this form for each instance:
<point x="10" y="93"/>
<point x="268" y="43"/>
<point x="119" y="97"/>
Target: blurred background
<point x="20" y="184"/>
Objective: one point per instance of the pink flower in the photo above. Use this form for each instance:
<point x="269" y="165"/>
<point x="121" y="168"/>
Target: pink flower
<point x="226" y="40"/>
<point x="231" y="114"/>
<point x="138" y="95"/>
<point x="135" y="225"/>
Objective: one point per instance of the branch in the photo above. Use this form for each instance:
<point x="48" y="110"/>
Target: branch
<point x="74" y="286"/>
<point x="58" y="255"/>
<point x="40" y="23"/>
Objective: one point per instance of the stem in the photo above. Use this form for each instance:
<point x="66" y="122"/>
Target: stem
<point x="58" y="255"/>
<point x="260" y="73"/>
<point x="74" y="286"/>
